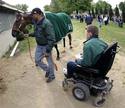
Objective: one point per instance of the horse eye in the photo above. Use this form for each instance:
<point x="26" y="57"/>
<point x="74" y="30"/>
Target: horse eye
<point x="22" y="18"/>
<point x="17" y="19"/>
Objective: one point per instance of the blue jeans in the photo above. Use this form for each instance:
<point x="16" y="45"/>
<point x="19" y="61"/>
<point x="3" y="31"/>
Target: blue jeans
<point x="71" y="67"/>
<point x="39" y="55"/>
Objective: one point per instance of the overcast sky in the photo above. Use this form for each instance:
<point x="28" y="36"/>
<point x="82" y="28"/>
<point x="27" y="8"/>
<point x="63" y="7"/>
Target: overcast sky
<point x="41" y="3"/>
<point x="31" y="3"/>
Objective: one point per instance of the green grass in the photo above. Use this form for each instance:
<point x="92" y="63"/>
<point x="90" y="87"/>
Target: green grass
<point x="78" y="29"/>
<point x="109" y="33"/>
<point x="24" y="46"/>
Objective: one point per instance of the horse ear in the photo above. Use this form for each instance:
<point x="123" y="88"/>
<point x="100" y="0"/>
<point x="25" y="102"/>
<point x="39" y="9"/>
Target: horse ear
<point x="25" y="13"/>
<point x="18" y="14"/>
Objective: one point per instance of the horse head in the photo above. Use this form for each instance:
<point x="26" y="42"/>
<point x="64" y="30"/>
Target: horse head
<point x="22" y="20"/>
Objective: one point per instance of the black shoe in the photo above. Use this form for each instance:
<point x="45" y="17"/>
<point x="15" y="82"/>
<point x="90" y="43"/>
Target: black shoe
<point x="50" y="79"/>
<point x="46" y="75"/>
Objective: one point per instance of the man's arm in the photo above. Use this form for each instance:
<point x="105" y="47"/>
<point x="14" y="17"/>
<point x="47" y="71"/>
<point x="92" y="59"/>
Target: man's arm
<point x="87" y="56"/>
<point x="50" y="37"/>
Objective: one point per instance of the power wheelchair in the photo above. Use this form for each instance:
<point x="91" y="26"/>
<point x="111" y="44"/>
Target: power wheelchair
<point x="93" y="80"/>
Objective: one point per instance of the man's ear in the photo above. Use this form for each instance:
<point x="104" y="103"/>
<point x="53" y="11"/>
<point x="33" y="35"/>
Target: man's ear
<point x="90" y="34"/>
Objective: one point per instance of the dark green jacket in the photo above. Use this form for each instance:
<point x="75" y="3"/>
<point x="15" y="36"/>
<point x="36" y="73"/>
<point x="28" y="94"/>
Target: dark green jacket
<point x="91" y="51"/>
<point x="44" y="33"/>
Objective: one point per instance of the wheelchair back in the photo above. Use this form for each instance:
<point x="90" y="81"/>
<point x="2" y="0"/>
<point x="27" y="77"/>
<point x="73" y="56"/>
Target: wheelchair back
<point x="106" y="60"/>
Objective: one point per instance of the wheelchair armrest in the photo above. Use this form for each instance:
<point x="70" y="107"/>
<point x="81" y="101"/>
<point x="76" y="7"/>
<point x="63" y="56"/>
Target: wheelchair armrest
<point x="89" y="70"/>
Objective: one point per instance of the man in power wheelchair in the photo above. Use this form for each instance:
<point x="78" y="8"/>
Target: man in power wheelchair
<point x="89" y="73"/>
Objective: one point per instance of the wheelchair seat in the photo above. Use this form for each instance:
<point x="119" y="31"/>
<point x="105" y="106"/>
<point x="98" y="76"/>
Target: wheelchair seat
<point x="103" y="64"/>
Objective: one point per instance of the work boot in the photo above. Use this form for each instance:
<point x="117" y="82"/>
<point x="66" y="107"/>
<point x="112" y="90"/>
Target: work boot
<point x="50" y="79"/>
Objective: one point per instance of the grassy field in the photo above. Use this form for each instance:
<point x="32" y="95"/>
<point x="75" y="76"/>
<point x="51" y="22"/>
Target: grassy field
<point x="109" y="33"/>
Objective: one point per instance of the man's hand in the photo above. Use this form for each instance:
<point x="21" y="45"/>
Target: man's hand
<point x="79" y="56"/>
<point x="78" y="61"/>
<point x="46" y="55"/>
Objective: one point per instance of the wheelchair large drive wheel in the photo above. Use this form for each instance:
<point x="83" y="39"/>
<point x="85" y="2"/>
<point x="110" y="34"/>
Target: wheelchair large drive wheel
<point x="81" y="92"/>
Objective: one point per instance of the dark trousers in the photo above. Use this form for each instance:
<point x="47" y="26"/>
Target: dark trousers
<point x="73" y="67"/>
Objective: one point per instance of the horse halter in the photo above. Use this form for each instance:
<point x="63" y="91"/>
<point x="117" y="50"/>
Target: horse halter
<point x="19" y="27"/>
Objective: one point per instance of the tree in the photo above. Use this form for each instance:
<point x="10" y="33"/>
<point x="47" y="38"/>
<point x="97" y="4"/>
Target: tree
<point x="100" y="11"/>
<point x="47" y="8"/>
<point x="123" y="15"/>
<point x="122" y="8"/>
<point x="22" y="7"/>
<point x="83" y="5"/>
<point x="93" y="12"/>
<point x="55" y="6"/>
<point x="96" y="11"/>
<point x="117" y="11"/>
<point x="69" y="6"/>
<point x="122" y="5"/>
<point x="105" y="11"/>
<point x="102" y="7"/>
<point x="111" y="14"/>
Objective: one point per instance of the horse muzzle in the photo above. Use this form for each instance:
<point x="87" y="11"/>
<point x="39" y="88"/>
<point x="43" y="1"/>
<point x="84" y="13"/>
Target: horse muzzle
<point x="18" y="35"/>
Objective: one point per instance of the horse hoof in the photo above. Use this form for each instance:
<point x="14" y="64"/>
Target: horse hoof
<point x="71" y="47"/>
<point x="63" y="51"/>
<point x="58" y="58"/>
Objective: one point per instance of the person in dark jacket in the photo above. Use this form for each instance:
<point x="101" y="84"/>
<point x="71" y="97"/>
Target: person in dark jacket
<point x="45" y="39"/>
<point x="88" y="19"/>
<point x="100" y="20"/>
<point x="120" y="22"/>
<point x="93" y="47"/>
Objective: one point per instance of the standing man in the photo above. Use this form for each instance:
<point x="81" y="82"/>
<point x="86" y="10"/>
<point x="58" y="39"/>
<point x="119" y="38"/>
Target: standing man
<point x="45" y="38"/>
<point x="88" y="19"/>
<point x="100" y="20"/>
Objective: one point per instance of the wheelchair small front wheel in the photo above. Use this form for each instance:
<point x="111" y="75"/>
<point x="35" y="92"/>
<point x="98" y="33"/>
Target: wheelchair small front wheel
<point x="81" y="92"/>
<point x="65" y="85"/>
<point x="110" y="86"/>
<point x="99" y="101"/>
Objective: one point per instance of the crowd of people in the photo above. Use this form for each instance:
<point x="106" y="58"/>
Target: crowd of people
<point x="101" y="19"/>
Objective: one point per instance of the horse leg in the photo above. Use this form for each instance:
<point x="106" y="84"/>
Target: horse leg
<point x="70" y="40"/>
<point x="56" y="47"/>
<point x="64" y="45"/>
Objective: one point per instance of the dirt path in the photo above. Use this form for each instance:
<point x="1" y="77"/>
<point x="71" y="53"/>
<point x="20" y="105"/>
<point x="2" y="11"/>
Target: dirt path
<point x="23" y="85"/>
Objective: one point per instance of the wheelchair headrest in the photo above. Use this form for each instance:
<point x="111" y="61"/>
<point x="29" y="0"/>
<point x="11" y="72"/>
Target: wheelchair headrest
<point x="112" y="49"/>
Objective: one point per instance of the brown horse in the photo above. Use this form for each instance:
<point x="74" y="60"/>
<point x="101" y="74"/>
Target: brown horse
<point x="18" y="30"/>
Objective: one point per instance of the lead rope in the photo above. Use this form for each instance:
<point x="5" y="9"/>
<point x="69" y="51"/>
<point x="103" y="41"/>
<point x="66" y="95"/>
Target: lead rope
<point x="29" y="47"/>
<point x="56" y="68"/>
